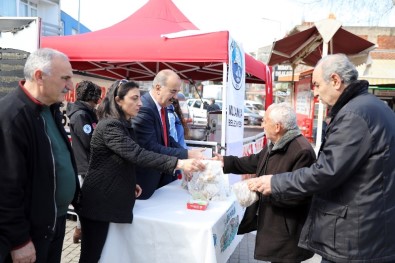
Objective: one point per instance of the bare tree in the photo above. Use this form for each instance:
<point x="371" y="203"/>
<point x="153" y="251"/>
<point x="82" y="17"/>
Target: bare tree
<point x="354" y="12"/>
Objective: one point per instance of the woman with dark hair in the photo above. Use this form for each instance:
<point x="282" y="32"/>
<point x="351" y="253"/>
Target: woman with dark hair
<point x="109" y="190"/>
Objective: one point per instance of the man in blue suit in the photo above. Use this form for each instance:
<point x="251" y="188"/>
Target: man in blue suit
<point x="153" y="136"/>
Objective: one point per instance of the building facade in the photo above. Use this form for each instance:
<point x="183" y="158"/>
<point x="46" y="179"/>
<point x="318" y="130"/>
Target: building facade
<point x="379" y="70"/>
<point x="71" y="26"/>
<point x="47" y="10"/>
<point x="54" y="22"/>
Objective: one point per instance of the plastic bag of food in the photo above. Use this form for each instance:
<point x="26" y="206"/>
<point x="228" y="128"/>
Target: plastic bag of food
<point x="243" y="194"/>
<point x="210" y="184"/>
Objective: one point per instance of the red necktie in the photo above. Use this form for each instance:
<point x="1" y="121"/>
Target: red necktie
<point x="163" y="117"/>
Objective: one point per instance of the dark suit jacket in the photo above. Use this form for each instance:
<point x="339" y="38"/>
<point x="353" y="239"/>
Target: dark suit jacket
<point x="149" y="135"/>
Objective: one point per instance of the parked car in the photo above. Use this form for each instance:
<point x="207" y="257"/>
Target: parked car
<point x="184" y="108"/>
<point x="254" y="105"/>
<point x="197" y="110"/>
<point x="183" y="105"/>
<point x="251" y="118"/>
<point x="253" y="109"/>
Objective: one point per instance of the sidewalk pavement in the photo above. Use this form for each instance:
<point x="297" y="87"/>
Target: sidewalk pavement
<point x="71" y="251"/>
<point x="244" y="252"/>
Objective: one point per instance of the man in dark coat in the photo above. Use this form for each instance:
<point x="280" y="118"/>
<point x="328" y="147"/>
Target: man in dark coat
<point x="83" y="121"/>
<point x="213" y="106"/>
<point x="353" y="181"/>
<point x="278" y="223"/>
<point x="150" y="133"/>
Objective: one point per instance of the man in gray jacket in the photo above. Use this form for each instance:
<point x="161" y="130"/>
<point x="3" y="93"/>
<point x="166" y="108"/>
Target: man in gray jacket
<point x="352" y="215"/>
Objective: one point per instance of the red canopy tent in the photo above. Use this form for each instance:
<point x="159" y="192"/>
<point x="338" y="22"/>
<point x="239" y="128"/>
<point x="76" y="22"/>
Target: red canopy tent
<point x="136" y="48"/>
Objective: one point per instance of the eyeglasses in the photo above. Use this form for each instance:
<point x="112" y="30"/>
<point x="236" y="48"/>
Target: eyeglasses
<point x="121" y="82"/>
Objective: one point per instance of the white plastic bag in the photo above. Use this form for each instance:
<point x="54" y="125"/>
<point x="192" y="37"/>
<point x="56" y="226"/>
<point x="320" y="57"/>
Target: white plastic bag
<point x="243" y="194"/>
<point x="210" y="184"/>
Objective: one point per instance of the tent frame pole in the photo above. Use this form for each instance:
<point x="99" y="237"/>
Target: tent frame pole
<point x="224" y="107"/>
<point x="320" y="117"/>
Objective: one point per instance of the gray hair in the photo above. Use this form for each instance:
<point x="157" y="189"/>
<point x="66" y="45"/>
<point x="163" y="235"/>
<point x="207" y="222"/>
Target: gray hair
<point x="41" y="59"/>
<point x="283" y="114"/>
<point x="339" y="64"/>
<point x="161" y="77"/>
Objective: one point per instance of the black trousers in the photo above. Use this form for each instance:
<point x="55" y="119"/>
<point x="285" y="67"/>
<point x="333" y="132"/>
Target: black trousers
<point x="94" y="234"/>
<point x="49" y="250"/>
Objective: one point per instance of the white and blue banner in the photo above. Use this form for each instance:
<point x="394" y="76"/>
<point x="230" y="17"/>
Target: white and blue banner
<point x="235" y="100"/>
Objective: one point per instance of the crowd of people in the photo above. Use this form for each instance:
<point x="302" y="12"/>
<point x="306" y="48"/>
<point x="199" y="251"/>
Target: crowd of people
<point x="40" y="173"/>
<point x="126" y="145"/>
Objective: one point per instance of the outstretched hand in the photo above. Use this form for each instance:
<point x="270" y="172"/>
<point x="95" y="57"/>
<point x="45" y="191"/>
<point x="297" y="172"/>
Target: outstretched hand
<point x="218" y="157"/>
<point x="261" y="184"/>
<point x="190" y="165"/>
<point x="196" y="154"/>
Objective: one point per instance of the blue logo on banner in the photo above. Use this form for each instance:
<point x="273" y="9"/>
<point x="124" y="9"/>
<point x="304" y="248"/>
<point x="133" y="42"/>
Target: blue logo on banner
<point x="237" y="65"/>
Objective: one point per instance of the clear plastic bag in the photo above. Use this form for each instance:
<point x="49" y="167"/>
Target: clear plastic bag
<point x="243" y="194"/>
<point x="211" y="184"/>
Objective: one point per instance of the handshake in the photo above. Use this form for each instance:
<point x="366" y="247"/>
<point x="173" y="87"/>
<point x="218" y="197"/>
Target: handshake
<point x="193" y="163"/>
<point x="258" y="184"/>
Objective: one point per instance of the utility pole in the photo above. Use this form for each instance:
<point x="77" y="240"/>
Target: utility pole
<point x="79" y="8"/>
<point x="278" y="22"/>
<point x="269" y="91"/>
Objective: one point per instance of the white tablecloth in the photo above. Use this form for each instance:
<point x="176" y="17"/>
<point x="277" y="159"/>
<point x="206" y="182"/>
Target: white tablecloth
<point x="164" y="230"/>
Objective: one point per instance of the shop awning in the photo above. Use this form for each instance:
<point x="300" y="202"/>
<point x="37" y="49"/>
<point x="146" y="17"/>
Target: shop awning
<point x="306" y="47"/>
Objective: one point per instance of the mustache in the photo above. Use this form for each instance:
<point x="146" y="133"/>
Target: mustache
<point x="65" y="90"/>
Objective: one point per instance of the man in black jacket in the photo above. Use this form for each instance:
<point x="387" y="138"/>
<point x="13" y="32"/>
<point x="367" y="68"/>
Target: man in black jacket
<point x="83" y="121"/>
<point x="38" y="172"/>
<point x="352" y="215"/>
